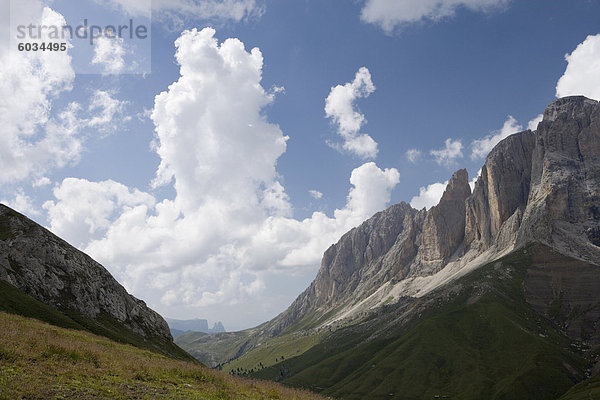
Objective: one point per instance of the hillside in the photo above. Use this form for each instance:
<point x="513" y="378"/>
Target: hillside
<point x="588" y="389"/>
<point x="41" y="361"/>
<point x="42" y="276"/>
<point x="479" y="338"/>
<point x="14" y="301"/>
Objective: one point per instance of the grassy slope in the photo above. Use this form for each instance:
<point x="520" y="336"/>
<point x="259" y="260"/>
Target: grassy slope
<point x="268" y="353"/>
<point x="247" y="349"/>
<point x="586" y="390"/>
<point x="41" y="361"/>
<point x="14" y="301"/>
<point x="482" y="342"/>
<point x="213" y="349"/>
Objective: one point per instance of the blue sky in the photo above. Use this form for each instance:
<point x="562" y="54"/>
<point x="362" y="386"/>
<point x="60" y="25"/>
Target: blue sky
<point x="210" y="181"/>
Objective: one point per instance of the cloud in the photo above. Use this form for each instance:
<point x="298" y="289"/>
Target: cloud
<point x="413" y="155"/>
<point x="429" y="196"/>
<point x="582" y="76"/>
<point x="33" y="141"/>
<point x="371" y="191"/>
<point x="532" y="125"/>
<point x="41" y="182"/>
<point x="315" y="194"/>
<point x="22" y="203"/>
<point x="83" y="209"/>
<point x="235" y="10"/>
<point x="107" y="112"/>
<point x="300" y="244"/>
<point x="339" y="106"/>
<point x="448" y="155"/>
<point x="389" y="14"/>
<point x="228" y="233"/>
<point x="109" y="52"/>
<point x="481" y="147"/>
<point x="474" y="180"/>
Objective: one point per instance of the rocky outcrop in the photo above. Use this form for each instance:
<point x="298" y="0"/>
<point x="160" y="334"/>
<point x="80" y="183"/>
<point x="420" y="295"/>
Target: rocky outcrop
<point x="342" y="267"/>
<point x="354" y="260"/>
<point x="217" y="328"/>
<point x="501" y="190"/>
<point x="394" y="244"/>
<point x="541" y="186"/>
<point x="444" y="226"/>
<point x="49" y="269"/>
<point x="564" y="200"/>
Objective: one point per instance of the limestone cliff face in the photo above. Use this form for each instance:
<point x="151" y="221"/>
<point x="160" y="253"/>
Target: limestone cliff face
<point x="501" y="190"/>
<point x="52" y="271"/>
<point x="392" y="245"/>
<point x="541" y="186"/>
<point x="444" y="225"/>
<point x="344" y="265"/>
<point x="564" y="201"/>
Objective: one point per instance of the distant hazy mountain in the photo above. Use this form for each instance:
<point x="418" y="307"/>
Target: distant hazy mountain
<point x="180" y="326"/>
<point x="493" y="293"/>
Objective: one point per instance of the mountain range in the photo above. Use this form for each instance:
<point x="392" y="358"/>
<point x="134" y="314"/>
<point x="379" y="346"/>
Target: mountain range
<point x="494" y="293"/>
<point x="180" y="326"/>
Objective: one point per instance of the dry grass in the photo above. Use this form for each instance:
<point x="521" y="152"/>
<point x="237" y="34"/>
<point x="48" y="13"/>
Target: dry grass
<point x="41" y="361"/>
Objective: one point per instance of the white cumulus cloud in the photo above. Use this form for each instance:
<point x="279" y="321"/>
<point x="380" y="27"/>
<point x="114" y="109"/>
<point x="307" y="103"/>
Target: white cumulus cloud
<point x="33" y="141"/>
<point x="448" y="155"/>
<point x="474" y="180"/>
<point x="339" y="106"/>
<point x="83" y="209"/>
<point x="389" y="14"/>
<point x="413" y="155"/>
<point x="481" y="147"/>
<point x="22" y="203"/>
<point x="41" y="182"/>
<point x="582" y="76"/>
<point x="235" y="10"/>
<point x="532" y="125"/>
<point x="315" y="194"/>
<point x="106" y="111"/>
<point x="429" y="195"/>
<point x="109" y="53"/>
<point x="228" y="234"/>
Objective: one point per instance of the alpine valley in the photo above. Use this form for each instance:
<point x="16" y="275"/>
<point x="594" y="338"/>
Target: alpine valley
<point x="69" y="330"/>
<point x="492" y="294"/>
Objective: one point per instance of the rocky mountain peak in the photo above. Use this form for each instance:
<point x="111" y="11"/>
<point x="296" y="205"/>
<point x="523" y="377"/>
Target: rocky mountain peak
<point x="541" y="186"/>
<point x="563" y="203"/>
<point x="444" y="225"/>
<point x="573" y="108"/>
<point x="458" y="188"/>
